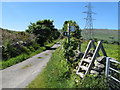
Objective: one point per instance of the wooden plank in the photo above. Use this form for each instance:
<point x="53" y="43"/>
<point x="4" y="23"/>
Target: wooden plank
<point x="81" y="75"/>
<point x="87" y="60"/>
<point x="95" y="48"/>
<point x="83" y="67"/>
<point x="87" y="50"/>
<point x="103" y="50"/>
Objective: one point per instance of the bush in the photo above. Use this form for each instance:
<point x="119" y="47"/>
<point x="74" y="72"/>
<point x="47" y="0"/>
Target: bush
<point x="25" y="50"/>
<point x="31" y="49"/>
<point x="9" y="51"/>
<point x="92" y="82"/>
<point x="35" y="45"/>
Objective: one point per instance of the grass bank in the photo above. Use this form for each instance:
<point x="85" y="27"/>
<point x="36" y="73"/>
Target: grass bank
<point x="55" y="74"/>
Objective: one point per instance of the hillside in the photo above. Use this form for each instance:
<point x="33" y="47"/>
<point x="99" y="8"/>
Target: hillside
<point x="14" y="36"/>
<point x="105" y="34"/>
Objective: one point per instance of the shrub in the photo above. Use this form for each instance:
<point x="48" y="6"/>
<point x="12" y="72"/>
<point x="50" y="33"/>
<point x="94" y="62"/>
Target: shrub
<point x="35" y="45"/>
<point x="92" y="82"/>
<point x="31" y="49"/>
<point x="26" y="50"/>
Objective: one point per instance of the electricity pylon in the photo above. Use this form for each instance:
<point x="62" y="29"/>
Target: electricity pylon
<point x="88" y="30"/>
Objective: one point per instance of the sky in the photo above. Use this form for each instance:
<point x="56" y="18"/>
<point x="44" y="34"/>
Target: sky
<point x="18" y="15"/>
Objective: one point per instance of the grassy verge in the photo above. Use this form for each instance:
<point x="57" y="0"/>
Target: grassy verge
<point x="24" y="56"/>
<point x="54" y="75"/>
<point x="20" y="58"/>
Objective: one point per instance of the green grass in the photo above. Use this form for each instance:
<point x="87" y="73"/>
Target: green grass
<point x="26" y="66"/>
<point x="57" y="74"/>
<point x="46" y="54"/>
<point x="40" y="57"/>
<point x="111" y="49"/>
<point x="54" y="75"/>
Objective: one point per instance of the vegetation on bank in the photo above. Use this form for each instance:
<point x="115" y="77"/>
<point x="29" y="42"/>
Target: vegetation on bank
<point x="18" y="46"/>
<point x="24" y="56"/>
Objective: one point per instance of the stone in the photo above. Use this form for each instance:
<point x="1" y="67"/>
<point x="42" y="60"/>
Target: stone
<point x="102" y="59"/>
<point x="102" y="72"/>
<point x="79" y="54"/>
<point x="96" y="63"/>
<point x="97" y="69"/>
<point x="94" y="72"/>
<point x="102" y="66"/>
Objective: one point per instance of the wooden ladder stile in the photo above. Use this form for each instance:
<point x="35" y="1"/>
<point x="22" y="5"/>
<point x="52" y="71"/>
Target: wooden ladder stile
<point x="87" y="50"/>
<point x="94" y="57"/>
<point x="90" y="62"/>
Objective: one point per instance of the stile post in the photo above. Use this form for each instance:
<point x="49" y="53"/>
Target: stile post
<point x="107" y="66"/>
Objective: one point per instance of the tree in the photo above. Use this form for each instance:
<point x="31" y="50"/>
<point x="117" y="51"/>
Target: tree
<point x="76" y="33"/>
<point x="44" y="31"/>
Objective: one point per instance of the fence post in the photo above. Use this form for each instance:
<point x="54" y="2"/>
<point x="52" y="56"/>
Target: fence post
<point x="107" y="66"/>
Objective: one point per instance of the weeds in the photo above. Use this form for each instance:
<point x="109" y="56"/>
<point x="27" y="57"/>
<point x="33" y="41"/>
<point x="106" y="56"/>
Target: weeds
<point x="40" y="57"/>
<point x="46" y="54"/>
<point x="26" y="66"/>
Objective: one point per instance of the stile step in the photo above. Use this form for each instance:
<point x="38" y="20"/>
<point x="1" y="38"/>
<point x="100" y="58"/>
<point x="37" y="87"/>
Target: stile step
<point x="87" y="60"/>
<point x="83" y="67"/>
<point x="81" y="74"/>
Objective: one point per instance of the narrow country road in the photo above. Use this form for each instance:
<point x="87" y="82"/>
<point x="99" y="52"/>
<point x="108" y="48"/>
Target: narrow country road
<point x="19" y="75"/>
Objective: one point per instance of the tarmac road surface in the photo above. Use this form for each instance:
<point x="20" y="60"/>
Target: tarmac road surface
<point x="18" y="77"/>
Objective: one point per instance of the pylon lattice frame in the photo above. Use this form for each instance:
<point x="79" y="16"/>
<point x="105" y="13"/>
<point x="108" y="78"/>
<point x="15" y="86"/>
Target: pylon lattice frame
<point x="88" y="30"/>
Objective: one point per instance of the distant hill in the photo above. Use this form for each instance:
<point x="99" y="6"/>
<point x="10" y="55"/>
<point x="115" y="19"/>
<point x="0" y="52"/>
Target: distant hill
<point x="105" y="34"/>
